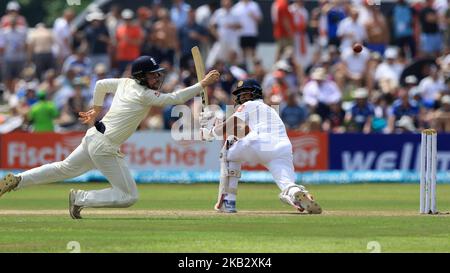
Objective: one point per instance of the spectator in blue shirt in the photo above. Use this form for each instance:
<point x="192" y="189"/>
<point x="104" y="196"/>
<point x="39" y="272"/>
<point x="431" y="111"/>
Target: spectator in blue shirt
<point x="79" y="63"/>
<point x="402" y="24"/>
<point x="179" y="13"/>
<point x="403" y="106"/>
<point x="334" y="16"/>
<point x="361" y="112"/>
<point x="293" y="114"/>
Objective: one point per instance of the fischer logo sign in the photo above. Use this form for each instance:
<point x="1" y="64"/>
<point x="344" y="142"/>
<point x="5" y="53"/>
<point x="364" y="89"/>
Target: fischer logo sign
<point x="143" y="151"/>
<point x="158" y="150"/>
<point x="23" y="150"/>
<point x="306" y="151"/>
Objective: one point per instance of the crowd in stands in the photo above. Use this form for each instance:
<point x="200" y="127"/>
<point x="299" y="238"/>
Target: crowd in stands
<point x="398" y="83"/>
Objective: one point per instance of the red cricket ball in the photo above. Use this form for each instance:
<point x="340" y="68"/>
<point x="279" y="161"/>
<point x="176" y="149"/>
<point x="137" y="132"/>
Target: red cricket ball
<point x="357" y="48"/>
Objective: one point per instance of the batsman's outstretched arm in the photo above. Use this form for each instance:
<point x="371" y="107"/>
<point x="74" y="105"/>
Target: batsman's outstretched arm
<point x="183" y="95"/>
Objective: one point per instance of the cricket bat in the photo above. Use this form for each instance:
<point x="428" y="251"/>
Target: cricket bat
<point x="200" y="69"/>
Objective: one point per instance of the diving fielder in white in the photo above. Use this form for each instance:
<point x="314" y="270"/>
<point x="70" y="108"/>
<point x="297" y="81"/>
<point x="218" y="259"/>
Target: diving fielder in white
<point x="99" y="148"/>
<point x="256" y="134"/>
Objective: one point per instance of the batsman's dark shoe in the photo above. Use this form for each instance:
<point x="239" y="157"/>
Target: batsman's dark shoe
<point x="74" y="210"/>
<point x="8" y="183"/>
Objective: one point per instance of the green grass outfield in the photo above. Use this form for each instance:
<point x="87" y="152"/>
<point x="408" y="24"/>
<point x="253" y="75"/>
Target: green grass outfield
<point x="179" y="218"/>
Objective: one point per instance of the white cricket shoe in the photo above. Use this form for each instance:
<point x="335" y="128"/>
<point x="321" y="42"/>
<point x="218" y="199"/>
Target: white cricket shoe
<point x="74" y="210"/>
<point x="8" y="183"/>
<point x="300" y="199"/>
<point x="225" y="206"/>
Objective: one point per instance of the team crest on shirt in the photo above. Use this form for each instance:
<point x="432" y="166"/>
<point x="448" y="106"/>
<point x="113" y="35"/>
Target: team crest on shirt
<point x="157" y="93"/>
<point x="240" y="83"/>
<point x="240" y="108"/>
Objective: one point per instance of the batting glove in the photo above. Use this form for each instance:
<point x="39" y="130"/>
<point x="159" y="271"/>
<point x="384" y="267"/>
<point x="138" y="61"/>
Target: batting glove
<point x="207" y="119"/>
<point x="207" y="134"/>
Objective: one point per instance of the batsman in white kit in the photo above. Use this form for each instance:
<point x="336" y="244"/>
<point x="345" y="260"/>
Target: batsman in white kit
<point x="263" y="140"/>
<point x="100" y="147"/>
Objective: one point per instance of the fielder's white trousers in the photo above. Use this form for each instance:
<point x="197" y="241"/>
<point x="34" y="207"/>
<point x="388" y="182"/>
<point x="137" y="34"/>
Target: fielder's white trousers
<point x="276" y="156"/>
<point x="94" y="152"/>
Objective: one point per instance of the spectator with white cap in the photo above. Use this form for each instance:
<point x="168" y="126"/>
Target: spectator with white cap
<point x="388" y="72"/>
<point x="361" y="112"/>
<point x="413" y="90"/>
<point x="12" y="12"/>
<point x="320" y="92"/>
<point x="97" y="39"/>
<point x="282" y="69"/>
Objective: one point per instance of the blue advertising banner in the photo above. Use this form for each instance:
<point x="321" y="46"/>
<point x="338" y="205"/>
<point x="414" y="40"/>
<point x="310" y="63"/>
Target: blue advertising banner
<point x="357" y="152"/>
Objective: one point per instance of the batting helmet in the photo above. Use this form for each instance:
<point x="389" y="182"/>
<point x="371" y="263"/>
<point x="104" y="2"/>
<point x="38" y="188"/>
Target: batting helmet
<point x="247" y="86"/>
<point x="145" y="64"/>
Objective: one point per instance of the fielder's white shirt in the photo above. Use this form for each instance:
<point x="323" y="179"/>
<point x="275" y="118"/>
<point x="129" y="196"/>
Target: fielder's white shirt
<point x="131" y="104"/>
<point x="263" y="121"/>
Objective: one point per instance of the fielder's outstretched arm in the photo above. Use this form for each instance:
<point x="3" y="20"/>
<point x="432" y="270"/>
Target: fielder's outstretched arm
<point x="174" y="98"/>
<point x="102" y="87"/>
<point x="183" y="95"/>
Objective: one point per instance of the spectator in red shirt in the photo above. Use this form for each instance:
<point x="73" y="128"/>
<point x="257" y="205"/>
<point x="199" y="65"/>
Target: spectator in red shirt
<point x="129" y="37"/>
<point x="283" y="25"/>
